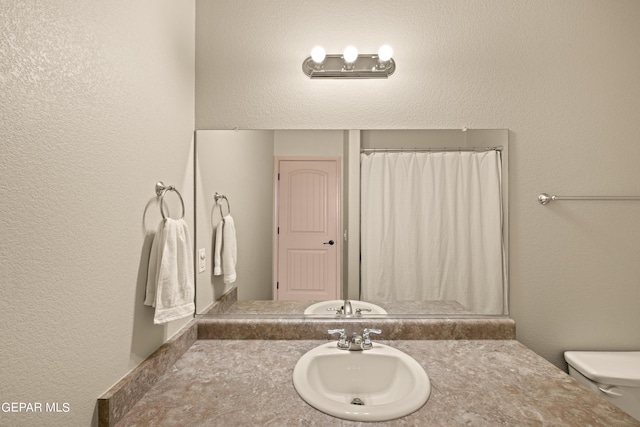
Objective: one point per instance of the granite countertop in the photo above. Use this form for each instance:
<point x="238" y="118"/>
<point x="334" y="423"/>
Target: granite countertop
<point x="479" y="383"/>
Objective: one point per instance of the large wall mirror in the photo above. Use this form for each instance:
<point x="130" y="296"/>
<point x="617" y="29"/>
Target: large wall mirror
<point x="399" y="222"/>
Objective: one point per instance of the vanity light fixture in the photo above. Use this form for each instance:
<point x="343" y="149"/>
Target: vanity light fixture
<point x="350" y="64"/>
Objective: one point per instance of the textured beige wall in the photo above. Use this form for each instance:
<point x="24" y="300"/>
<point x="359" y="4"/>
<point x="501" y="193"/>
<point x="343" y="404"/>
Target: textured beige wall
<point x="561" y="75"/>
<point x="96" y="105"/>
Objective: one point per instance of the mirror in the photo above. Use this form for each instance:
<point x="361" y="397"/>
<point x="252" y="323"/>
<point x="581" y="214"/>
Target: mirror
<point x="243" y="165"/>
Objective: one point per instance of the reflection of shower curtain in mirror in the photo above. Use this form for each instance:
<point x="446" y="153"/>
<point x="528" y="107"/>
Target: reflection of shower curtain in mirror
<point x="432" y="228"/>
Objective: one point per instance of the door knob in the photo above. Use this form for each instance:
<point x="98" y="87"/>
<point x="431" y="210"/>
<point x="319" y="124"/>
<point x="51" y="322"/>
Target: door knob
<point x="330" y="243"/>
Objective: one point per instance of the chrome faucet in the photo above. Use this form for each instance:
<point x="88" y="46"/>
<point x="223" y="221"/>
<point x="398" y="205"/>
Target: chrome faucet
<point x="347" y="309"/>
<point x="356" y="342"/>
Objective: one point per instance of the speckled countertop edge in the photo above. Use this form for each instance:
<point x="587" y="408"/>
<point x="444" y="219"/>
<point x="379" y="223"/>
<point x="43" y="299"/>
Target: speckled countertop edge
<point x="491" y="328"/>
<point x="116" y="402"/>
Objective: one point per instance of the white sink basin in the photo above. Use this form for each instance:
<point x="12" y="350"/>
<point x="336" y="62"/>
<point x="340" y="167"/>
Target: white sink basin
<point x="321" y="307"/>
<point x="389" y="383"/>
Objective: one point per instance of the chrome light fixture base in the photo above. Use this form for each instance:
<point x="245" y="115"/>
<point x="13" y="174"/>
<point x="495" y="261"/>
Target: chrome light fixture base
<point x="335" y="67"/>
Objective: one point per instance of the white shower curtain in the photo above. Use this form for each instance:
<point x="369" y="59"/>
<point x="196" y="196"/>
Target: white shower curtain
<point x="432" y="228"/>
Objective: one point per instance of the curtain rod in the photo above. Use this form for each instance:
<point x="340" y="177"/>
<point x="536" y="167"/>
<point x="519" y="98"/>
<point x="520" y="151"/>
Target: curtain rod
<point x="392" y="150"/>
<point x="544" y="198"/>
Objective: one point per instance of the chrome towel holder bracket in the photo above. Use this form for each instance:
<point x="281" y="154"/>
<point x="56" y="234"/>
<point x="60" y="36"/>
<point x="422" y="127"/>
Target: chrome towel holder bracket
<point x="161" y="190"/>
<point x="217" y="197"/>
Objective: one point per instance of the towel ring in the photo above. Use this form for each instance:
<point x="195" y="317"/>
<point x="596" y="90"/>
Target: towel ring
<point x="161" y="190"/>
<point x="217" y="197"/>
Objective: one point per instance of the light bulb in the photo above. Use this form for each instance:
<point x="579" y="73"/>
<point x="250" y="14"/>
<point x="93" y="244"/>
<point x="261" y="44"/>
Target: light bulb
<point x="318" y="54"/>
<point x="385" y="53"/>
<point x="350" y="54"/>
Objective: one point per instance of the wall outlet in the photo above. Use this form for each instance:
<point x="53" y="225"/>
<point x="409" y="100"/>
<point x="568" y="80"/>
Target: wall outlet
<point x="202" y="260"/>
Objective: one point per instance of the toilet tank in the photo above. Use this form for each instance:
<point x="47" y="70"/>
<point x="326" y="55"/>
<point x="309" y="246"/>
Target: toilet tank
<point x="614" y="375"/>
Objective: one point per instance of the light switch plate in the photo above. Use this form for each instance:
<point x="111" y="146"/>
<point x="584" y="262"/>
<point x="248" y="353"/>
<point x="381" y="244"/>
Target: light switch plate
<point x="202" y="258"/>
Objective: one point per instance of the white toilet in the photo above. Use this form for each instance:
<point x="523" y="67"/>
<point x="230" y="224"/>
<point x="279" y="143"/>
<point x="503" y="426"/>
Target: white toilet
<point x="614" y="375"/>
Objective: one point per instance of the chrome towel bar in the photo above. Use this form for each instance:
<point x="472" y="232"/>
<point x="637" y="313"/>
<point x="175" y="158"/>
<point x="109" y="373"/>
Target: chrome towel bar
<point x="544" y="198"/>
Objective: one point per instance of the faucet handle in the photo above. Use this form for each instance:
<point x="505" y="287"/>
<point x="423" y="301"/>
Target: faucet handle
<point x="366" y="341"/>
<point x="337" y="331"/>
<point x="342" y="339"/>
<point x="367" y="331"/>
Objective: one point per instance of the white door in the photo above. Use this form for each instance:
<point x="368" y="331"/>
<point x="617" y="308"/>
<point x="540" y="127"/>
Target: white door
<point x="307" y="244"/>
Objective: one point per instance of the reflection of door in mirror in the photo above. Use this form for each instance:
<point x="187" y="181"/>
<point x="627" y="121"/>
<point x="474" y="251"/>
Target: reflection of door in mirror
<point x="307" y="248"/>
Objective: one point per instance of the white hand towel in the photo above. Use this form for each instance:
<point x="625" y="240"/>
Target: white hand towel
<point x="217" y="250"/>
<point x="153" y="268"/>
<point x="225" y="250"/>
<point x="174" y="288"/>
<point x="229" y="250"/>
